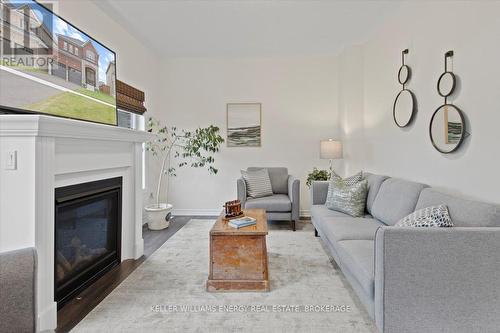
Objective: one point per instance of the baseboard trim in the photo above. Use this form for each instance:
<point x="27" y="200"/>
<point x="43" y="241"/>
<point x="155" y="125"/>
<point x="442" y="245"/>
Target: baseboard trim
<point x="216" y="212"/>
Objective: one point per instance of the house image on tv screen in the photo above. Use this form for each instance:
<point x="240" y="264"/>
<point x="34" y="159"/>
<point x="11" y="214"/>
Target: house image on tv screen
<point x="60" y="70"/>
<point x="110" y="88"/>
<point x="75" y="61"/>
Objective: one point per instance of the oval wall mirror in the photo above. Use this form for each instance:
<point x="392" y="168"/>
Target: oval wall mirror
<point x="403" y="108"/>
<point x="404" y="74"/>
<point x="447" y="128"/>
<point x="446" y="84"/>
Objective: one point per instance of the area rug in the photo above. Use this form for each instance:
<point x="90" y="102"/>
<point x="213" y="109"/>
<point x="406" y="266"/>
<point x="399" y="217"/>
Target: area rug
<point x="167" y="292"/>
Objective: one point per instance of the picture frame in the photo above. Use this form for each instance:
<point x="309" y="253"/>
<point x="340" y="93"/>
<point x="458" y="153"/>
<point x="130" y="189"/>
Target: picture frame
<point x="244" y="124"/>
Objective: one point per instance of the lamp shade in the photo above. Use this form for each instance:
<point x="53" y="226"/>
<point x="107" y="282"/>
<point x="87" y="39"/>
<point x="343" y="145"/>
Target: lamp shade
<point x="330" y="149"/>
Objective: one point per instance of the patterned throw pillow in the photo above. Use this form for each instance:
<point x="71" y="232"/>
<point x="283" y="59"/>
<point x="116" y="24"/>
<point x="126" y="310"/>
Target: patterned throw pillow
<point x="349" y="199"/>
<point x="258" y="183"/>
<point x="434" y="216"/>
<point x="349" y="180"/>
<point x="334" y="179"/>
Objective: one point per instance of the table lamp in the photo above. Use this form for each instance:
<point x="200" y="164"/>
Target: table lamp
<point x="330" y="150"/>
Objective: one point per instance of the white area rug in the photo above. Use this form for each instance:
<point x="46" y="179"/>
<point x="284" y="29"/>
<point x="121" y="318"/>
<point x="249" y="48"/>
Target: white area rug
<point x="167" y="292"/>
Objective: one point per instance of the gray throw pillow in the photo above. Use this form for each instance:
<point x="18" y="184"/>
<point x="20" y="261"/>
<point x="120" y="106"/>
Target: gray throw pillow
<point x="349" y="180"/>
<point x="434" y="216"/>
<point x="348" y="199"/>
<point x="334" y="179"/>
<point x="258" y="183"/>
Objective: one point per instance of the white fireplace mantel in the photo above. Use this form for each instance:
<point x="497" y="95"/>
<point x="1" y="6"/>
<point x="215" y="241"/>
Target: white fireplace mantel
<point x="46" y="126"/>
<point x="53" y="152"/>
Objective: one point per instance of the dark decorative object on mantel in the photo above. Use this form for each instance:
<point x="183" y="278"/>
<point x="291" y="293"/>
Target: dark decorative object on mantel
<point x="447" y="128"/>
<point x="129" y="98"/>
<point x="404" y="109"/>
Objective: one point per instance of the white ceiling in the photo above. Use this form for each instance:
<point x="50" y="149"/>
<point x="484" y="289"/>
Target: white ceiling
<point x="206" y="28"/>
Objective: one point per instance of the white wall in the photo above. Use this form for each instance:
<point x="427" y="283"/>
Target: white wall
<point x="350" y="106"/>
<point x="429" y="29"/>
<point x="299" y="108"/>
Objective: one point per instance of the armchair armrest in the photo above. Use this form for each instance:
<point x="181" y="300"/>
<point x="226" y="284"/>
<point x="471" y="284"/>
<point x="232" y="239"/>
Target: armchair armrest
<point x="437" y="279"/>
<point x="319" y="191"/>
<point x="242" y="191"/>
<point x="294" y="195"/>
<point x="18" y="290"/>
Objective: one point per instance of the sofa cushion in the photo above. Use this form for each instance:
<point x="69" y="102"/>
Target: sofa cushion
<point x="463" y="212"/>
<point x="273" y="203"/>
<point x="358" y="257"/>
<point x="279" y="178"/>
<point x="396" y="199"/>
<point x="374" y="182"/>
<point x="350" y="228"/>
<point x="322" y="212"/>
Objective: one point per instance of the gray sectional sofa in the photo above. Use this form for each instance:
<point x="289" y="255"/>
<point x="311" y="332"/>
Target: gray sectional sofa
<point x="417" y="279"/>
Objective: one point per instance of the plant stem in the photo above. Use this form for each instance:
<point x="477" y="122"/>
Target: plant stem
<point x="162" y="171"/>
<point x="168" y="178"/>
<point x="159" y="181"/>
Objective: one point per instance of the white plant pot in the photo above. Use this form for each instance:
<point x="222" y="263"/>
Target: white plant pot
<point x="157" y="216"/>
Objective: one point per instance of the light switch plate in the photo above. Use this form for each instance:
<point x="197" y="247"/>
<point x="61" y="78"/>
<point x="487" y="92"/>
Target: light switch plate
<point x="11" y="163"/>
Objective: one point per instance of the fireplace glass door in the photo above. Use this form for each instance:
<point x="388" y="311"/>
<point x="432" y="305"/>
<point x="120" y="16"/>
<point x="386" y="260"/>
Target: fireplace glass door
<point x="87" y="236"/>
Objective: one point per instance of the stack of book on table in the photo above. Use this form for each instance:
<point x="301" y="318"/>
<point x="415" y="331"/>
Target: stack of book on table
<point x="241" y="222"/>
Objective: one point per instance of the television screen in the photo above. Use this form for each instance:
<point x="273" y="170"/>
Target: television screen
<point x="49" y="66"/>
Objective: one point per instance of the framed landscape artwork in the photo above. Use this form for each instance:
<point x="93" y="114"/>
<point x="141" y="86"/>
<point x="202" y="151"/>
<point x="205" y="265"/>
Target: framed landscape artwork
<point x="244" y="124"/>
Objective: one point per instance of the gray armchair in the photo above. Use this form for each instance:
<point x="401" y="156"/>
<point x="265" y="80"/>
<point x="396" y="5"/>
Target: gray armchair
<point x="18" y="291"/>
<point x="284" y="204"/>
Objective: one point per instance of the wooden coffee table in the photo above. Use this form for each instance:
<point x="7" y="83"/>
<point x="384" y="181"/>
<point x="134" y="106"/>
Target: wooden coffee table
<point x="238" y="257"/>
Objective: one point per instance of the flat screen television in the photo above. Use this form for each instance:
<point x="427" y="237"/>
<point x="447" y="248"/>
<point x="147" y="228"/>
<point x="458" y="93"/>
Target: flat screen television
<point x="49" y="66"/>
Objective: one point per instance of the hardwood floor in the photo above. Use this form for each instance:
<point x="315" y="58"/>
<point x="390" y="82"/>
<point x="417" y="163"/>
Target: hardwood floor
<point x="75" y="310"/>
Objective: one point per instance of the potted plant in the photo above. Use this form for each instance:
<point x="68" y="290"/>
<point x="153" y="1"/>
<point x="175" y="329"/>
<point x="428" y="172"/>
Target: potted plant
<point x="317" y="175"/>
<point x="189" y="148"/>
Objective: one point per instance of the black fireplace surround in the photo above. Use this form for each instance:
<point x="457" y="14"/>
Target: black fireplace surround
<point x="87" y="235"/>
